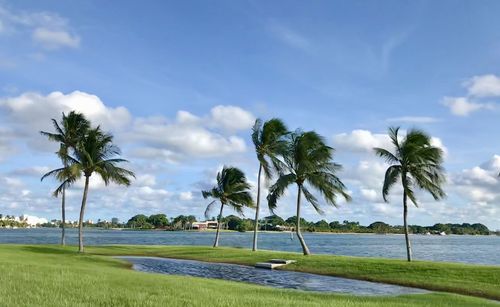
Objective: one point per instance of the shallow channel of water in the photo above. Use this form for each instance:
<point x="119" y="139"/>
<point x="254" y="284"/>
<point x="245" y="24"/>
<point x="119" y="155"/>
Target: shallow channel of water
<point x="272" y="278"/>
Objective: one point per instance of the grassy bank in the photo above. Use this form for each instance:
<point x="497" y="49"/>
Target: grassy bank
<point x="55" y="276"/>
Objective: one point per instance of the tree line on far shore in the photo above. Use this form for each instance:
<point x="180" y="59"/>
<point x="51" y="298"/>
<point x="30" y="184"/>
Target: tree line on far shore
<point x="277" y="223"/>
<point x="269" y="223"/>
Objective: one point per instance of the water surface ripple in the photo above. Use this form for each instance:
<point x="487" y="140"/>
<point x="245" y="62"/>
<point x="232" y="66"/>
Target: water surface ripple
<point x="272" y="278"/>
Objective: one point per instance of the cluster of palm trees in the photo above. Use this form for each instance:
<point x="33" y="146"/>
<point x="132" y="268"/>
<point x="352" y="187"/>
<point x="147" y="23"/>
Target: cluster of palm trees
<point x="303" y="159"/>
<point x="295" y="158"/>
<point x="83" y="150"/>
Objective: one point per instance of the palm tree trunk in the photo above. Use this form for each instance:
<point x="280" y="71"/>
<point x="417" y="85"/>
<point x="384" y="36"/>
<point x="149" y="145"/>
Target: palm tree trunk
<point x="82" y="212"/>
<point x="63" y="212"/>
<point x="305" y="249"/>
<point x="256" y="224"/>
<point x="219" y="219"/>
<point x="405" y="216"/>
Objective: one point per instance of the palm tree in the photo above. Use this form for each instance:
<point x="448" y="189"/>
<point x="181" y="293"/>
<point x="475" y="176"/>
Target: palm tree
<point x="308" y="160"/>
<point x="232" y="190"/>
<point x="95" y="154"/>
<point x="418" y="164"/>
<point x="269" y="142"/>
<point x="68" y="133"/>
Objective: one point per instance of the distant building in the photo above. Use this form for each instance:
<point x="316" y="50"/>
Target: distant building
<point x="204" y="225"/>
<point x="115" y="221"/>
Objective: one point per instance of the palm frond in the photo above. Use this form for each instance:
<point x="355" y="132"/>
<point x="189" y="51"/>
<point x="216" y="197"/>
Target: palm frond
<point x="312" y="200"/>
<point x="209" y="209"/>
<point x="388" y="156"/>
<point x="391" y="176"/>
<point x="278" y="189"/>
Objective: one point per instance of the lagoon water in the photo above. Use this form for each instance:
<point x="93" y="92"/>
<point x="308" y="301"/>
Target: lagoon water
<point x="273" y="278"/>
<point x="469" y="249"/>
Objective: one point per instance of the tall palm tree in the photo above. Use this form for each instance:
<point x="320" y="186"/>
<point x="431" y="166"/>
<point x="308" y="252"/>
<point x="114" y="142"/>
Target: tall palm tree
<point x="68" y="133"/>
<point x="232" y="190"/>
<point x="418" y="164"/>
<point x="269" y="140"/>
<point x="95" y="154"/>
<point x="309" y="162"/>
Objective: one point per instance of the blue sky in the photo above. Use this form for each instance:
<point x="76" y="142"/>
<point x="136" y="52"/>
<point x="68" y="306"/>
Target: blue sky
<point x="179" y="84"/>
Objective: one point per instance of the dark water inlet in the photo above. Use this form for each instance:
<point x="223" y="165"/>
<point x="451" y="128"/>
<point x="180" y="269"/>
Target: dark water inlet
<point x="272" y="278"/>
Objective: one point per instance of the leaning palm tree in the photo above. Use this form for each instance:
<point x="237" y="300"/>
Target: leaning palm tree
<point x="95" y="154"/>
<point x="68" y="133"/>
<point x="418" y="164"/>
<point x="308" y="162"/>
<point x="232" y="190"/>
<point x="270" y="143"/>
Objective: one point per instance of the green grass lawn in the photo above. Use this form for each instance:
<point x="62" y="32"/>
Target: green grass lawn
<point x="49" y="275"/>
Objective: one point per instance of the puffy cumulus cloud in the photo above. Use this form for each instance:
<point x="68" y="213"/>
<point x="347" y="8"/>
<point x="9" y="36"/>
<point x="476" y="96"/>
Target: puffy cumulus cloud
<point x="231" y="118"/>
<point x="483" y="86"/>
<point x="186" y="195"/>
<point x="370" y="194"/>
<point x="33" y="110"/>
<point x="462" y="106"/>
<point x="48" y="30"/>
<point x="478" y="88"/>
<point x="479" y="183"/>
<point x="145" y="180"/>
<point x="188" y="136"/>
<point x="361" y="141"/>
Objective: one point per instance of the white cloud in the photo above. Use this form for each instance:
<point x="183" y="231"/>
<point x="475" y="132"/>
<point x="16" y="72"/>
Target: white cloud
<point x="49" y="30"/>
<point x="480" y="186"/>
<point x="186" y="196"/>
<point x="231" y="118"/>
<point x="34" y="111"/>
<point x="145" y="180"/>
<point x="191" y="136"/>
<point x="462" y="106"/>
<point x="55" y="39"/>
<point x="483" y="86"/>
<point x="370" y="194"/>
<point x="361" y="141"/>
<point x="478" y="88"/>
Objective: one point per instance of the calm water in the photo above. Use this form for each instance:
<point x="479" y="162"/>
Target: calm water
<point x="471" y="249"/>
<point x="273" y="278"/>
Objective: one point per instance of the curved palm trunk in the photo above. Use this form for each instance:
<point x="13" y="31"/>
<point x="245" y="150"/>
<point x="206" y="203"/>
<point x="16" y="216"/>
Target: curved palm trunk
<point x="216" y="243"/>
<point x="305" y="249"/>
<point x="82" y="212"/>
<point x="63" y="213"/>
<point x="405" y="216"/>
<point x="256" y="224"/>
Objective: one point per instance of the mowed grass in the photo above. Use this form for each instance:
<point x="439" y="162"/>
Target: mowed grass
<point x="55" y="276"/>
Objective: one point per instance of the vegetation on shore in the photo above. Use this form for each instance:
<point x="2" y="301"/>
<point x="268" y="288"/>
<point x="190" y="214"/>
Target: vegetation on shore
<point x="66" y="278"/>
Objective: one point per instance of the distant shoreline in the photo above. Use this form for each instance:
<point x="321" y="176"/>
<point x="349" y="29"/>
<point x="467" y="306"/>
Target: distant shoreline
<point x="261" y="231"/>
